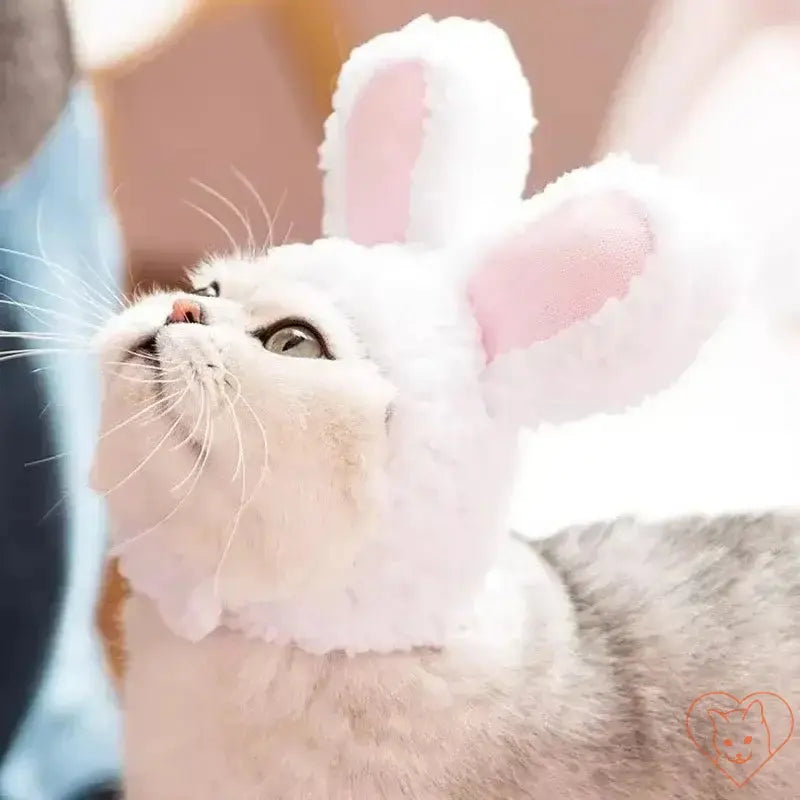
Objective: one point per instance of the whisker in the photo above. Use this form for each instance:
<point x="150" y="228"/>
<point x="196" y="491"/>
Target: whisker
<point x="238" y="430"/>
<point x="208" y="215"/>
<point x="149" y="381"/>
<point x="228" y="204"/>
<point x="244" y="503"/>
<point x="66" y="453"/>
<point x="50" y="511"/>
<point x="275" y="216"/>
<point x="137" y="365"/>
<point x="145" y="356"/>
<point x="59" y="314"/>
<point x="265" y="466"/>
<point x="112" y="284"/>
<point x="154" y="366"/>
<point x="30" y="313"/>
<point x="152" y="453"/>
<point x="201" y="458"/>
<point x="123" y="301"/>
<point x="229" y="543"/>
<point x="60" y="297"/>
<point x="138" y="414"/>
<point x="110" y="291"/>
<point x="46" y="459"/>
<point x="203" y="447"/>
<point x="190" y="435"/>
<point x="267" y="219"/>
<point x="32" y="351"/>
<point x="12" y="355"/>
<point x="35" y="336"/>
<point x="237" y="517"/>
<point x="59" y="268"/>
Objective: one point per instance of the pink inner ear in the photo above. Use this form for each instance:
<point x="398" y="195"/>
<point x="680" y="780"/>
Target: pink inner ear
<point x="384" y="140"/>
<point x="560" y="270"/>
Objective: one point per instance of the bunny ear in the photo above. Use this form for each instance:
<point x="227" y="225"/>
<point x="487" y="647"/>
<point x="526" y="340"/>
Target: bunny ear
<point x="601" y="294"/>
<point x="429" y="137"/>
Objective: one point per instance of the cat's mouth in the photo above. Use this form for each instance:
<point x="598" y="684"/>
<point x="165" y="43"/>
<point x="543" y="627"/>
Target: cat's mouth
<point x="145" y="348"/>
<point x="738" y="759"/>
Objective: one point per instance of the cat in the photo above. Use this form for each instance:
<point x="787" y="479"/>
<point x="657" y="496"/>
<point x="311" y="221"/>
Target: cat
<point x="571" y="679"/>
<point x="307" y="455"/>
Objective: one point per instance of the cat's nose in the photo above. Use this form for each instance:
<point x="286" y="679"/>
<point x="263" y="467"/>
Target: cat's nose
<point x="185" y="310"/>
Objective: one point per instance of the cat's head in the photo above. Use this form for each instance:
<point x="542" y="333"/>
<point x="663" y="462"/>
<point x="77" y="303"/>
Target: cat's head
<point x="326" y="432"/>
<point x="740" y="733"/>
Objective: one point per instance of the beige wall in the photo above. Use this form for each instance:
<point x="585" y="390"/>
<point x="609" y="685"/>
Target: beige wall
<point x="236" y="89"/>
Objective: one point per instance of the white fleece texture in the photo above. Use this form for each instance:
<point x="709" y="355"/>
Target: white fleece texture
<point x="477" y="133"/>
<point x="643" y="342"/>
<point x="358" y="504"/>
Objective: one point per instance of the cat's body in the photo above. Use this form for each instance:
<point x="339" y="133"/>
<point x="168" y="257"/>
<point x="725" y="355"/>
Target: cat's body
<point x="576" y="683"/>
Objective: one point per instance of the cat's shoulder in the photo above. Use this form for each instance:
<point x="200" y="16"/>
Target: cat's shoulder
<point x="744" y="535"/>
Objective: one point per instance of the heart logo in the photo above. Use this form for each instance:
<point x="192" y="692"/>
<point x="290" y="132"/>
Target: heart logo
<point x="740" y="737"/>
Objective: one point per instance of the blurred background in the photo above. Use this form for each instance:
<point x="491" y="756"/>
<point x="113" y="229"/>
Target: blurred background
<point x="248" y="85"/>
<point x="194" y="94"/>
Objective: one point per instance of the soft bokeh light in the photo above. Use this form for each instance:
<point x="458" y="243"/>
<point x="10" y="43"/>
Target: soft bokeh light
<point x="726" y="438"/>
<point x="107" y="31"/>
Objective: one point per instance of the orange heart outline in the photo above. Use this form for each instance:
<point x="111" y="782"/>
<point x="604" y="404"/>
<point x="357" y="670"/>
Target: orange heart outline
<point x="754" y="696"/>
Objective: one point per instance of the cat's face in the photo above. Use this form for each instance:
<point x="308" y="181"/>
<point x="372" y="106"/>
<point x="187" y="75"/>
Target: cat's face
<point x="740" y="733"/>
<point x="251" y="428"/>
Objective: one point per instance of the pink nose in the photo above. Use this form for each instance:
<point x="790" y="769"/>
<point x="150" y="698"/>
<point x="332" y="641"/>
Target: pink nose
<point x="184" y="310"/>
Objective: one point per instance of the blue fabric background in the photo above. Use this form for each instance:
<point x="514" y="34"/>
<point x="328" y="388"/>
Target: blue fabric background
<point x="70" y="736"/>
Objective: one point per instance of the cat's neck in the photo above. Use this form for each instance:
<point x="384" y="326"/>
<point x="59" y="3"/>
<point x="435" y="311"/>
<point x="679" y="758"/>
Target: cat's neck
<point x="414" y="580"/>
<point x="497" y="614"/>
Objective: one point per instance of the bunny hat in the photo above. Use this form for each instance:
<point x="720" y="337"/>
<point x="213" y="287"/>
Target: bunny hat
<point x="355" y="499"/>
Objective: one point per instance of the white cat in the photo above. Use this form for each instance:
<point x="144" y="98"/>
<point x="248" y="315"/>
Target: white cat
<point x="308" y="456"/>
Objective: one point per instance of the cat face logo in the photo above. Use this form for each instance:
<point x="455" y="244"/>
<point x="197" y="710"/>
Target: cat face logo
<point x="741" y="733"/>
<point x="739" y="736"/>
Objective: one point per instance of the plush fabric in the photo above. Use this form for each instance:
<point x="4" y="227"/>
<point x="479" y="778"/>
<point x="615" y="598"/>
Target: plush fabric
<point x="437" y="187"/>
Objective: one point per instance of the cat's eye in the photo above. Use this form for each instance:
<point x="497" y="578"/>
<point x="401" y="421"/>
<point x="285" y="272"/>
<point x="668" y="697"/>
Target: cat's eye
<point x="212" y="290"/>
<point x="748" y="739"/>
<point x="293" y="338"/>
<point x="728" y="743"/>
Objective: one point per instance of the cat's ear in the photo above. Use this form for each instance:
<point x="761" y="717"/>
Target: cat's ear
<point x="429" y="137"/>
<point x="755" y="711"/>
<point x="717" y="717"/>
<point x="600" y="294"/>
